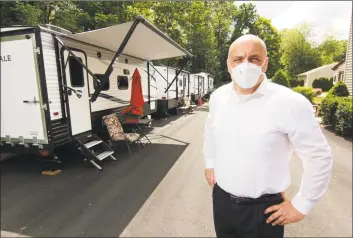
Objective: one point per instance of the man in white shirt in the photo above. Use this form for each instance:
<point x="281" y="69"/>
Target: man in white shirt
<point x="253" y="128"/>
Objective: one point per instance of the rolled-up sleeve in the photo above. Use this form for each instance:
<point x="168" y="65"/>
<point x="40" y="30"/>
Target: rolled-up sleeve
<point x="310" y="145"/>
<point x="209" y="144"/>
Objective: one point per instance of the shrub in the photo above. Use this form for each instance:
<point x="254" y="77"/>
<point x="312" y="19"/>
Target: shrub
<point x="328" y="109"/>
<point x="324" y="83"/>
<point x="306" y="92"/>
<point x="344" y="117"/>
<point x="340" y="90"/>
<point x="280" y="77"/>
<point x="295" y="82"/>
<point x="301" y="82"/>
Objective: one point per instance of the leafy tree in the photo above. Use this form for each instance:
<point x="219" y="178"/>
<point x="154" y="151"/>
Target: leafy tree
<point x="19" y="13"/>
<point x="280" y="77"/>
<point x="266" y="31"/>
<point x="298" y="54"/>
<point x="332" y="50"/>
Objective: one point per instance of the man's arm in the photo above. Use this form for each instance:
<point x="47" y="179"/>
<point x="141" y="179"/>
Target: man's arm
<point x="311" y="146"/>
<point x="208" y="146"/>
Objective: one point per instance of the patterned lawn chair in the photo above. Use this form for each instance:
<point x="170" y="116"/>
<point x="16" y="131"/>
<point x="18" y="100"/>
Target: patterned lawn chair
<point x="117" y="134"/>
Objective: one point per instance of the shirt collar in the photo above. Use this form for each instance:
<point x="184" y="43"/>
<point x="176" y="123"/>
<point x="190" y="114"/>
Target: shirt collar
<point x="260" y="91"/>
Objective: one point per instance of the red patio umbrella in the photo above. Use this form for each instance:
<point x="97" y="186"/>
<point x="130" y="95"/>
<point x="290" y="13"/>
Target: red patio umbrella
<point x="136" y="100"/>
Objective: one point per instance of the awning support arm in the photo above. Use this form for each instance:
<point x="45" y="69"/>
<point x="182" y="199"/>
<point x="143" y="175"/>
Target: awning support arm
<point x="158" y="72"/>
<point x="177" y="74"/>
<point x="76" y="58"/>
<point x="117" y="54"/>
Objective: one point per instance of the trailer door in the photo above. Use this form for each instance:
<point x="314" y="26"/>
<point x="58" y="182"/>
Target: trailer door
<point x="79" y="106"/>
<point x="22" y="109"/>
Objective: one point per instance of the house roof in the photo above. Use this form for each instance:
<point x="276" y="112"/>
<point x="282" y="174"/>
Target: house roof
<point x="337" y="65"/>
<point x="317" y="69"/>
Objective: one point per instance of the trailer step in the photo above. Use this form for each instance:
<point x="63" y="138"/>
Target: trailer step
<point x="94" y="149"/>
<point x="93" y="143"/>
<point x="104" y="155"/>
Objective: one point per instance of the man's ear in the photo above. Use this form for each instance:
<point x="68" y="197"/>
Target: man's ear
<point x="228" y="66"/>
<point x="266" y="64"/>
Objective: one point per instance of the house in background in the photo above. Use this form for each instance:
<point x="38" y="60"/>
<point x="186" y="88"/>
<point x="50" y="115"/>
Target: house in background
<point x="322" y="71"/>
<point x="339" y="71"/>
<point x="348" y="64"/>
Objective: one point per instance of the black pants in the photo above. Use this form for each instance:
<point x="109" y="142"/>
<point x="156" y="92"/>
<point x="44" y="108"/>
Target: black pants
<point x="242" y="221"/>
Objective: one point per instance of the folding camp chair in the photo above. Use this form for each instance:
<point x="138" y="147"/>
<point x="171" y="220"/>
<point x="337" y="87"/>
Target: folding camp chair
<point x="187" y="107"/>
<point x="117" y="134"/>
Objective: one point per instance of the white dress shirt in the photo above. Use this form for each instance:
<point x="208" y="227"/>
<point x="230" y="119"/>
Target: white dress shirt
<point x="249" y="141"/>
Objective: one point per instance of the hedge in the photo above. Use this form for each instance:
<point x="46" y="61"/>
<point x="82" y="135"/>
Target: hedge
<point x="344" y="118"/>
<point x="280" y="77"/>
<point x="324" y="83"/>
<point x="337" y="113"/>
<point x="296" y="82"/>
<point x="340" y="90"/>
<point x="309" y="93"/>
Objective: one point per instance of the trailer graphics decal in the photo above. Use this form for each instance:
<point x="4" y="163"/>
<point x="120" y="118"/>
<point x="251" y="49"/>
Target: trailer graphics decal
<point x="112" y="98"/>
<point x="5" y="58"/>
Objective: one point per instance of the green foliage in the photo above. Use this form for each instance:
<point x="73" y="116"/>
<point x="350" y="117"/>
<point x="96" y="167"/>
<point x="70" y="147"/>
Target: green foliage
<point x="306" y="92"/>
<point x="296" y="82"/>
<point x="280" y="77"/>
<point x="298" y="54"/>
<point x="332" y="50"/>
<point x="344" y="117"/>
<point x="205" y="28"/>
<point x="337" y="113"/>
<point x="324" y="83"/>
<point x="339" y="89"/>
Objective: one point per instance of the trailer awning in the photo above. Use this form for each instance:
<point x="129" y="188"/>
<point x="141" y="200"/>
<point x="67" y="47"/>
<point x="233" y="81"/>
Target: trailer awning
<point x="146" y="42"/>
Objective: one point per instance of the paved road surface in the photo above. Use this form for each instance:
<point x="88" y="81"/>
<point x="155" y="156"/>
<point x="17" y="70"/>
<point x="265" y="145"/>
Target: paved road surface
<point x="162" y="194"/>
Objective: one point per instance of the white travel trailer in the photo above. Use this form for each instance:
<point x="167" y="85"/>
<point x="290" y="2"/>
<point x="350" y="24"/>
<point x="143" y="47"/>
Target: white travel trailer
<point x="205" y="83"/>
<point x="65" y="83"/>
<point x="177" y="85"/>
<point x="196" y="86"/>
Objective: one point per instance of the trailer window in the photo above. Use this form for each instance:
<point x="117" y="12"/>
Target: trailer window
<point x="184" y="78"/>
<point x="106" y="86"/>
<point x="76" y="72"/>
<point x="180" y="83"/>
<point x="123" y="82"/>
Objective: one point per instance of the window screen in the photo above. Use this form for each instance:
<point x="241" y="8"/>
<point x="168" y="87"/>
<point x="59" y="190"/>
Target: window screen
<point x="123" y="82"/>
<point x="106" y="86"/>
<point x="76" y="72"/>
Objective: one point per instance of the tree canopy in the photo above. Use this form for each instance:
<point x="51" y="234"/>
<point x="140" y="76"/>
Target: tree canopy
<point x="205" y="28"/>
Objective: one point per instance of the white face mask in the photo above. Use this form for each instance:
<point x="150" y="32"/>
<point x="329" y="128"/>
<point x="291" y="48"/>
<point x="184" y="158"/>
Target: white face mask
<point x="246" y="75"/>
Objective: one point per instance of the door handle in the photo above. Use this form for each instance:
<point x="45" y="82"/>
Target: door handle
<point x="34" y="101"/>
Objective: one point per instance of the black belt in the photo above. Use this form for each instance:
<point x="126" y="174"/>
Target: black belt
<point x="266" y="198"/>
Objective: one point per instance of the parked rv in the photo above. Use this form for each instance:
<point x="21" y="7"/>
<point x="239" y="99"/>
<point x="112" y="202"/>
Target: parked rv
<point x="167" y="101"/>
<point x="65" y="83"/>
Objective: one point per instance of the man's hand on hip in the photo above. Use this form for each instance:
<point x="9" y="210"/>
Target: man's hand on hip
<point x="210" y="177"/>
<point x="283" y="213"/>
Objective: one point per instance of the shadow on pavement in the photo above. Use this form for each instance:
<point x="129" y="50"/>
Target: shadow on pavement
<point x="164" y="121"/>
<point x="81" y="201"/>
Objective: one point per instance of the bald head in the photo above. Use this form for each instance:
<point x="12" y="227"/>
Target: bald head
<point x="246" y="39"/>
<point x="247" y="48"/>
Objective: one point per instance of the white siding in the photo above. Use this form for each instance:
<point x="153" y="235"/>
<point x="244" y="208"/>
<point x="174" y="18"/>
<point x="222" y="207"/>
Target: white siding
<point x="99" y="65"/>
<point x="348" y="72"/>
<point x="51" y="75"/>
<point x="169" y="75"/>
